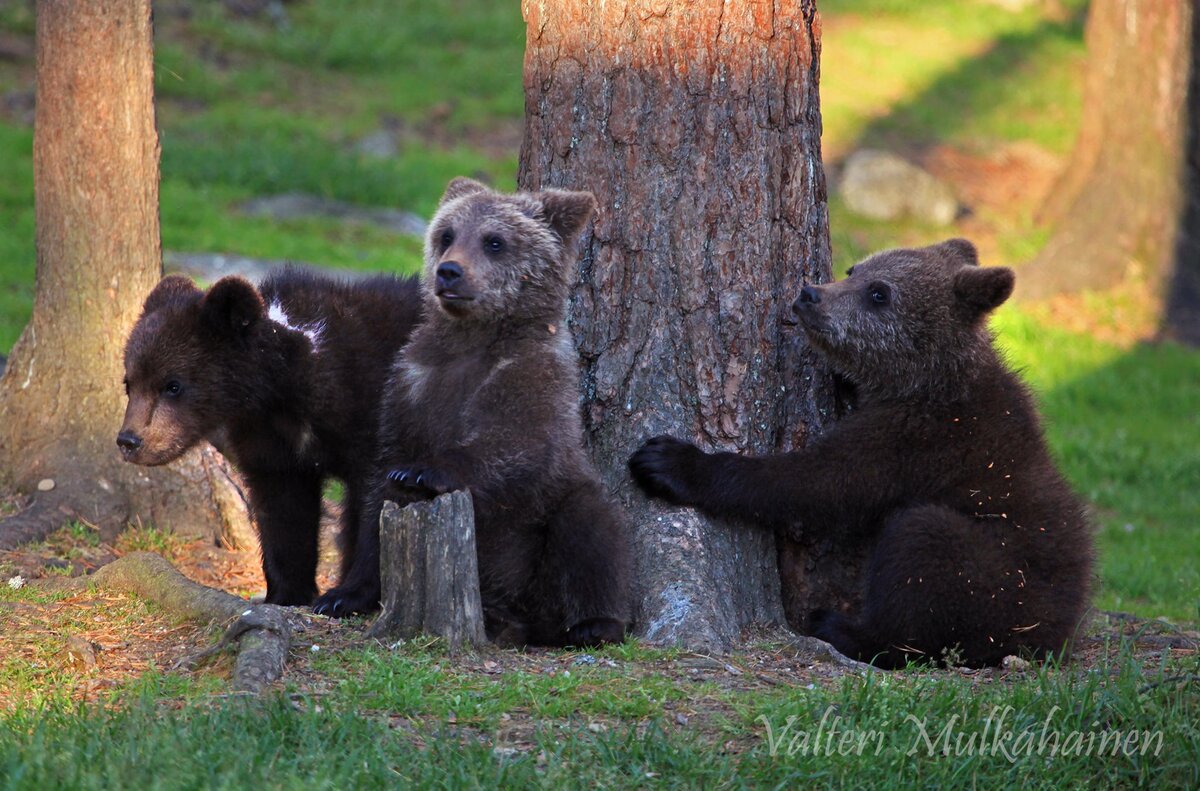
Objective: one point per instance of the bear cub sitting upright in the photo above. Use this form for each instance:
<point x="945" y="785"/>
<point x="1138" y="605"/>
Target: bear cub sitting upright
<point x="485" y="397"/>
<point x="978" y="548"/>
<point x="286" y="381"/>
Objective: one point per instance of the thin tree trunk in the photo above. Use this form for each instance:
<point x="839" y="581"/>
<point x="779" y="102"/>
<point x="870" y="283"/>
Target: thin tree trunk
<point x="697" y="126"/>
<point x="96" y="186"/>
<point x="1115" y="209"/>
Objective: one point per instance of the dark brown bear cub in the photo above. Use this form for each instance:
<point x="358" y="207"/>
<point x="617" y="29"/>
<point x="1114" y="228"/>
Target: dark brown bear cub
<point x="978" y="547"/>
<point x="286" y="381"/>
<point x="485" y="397"/>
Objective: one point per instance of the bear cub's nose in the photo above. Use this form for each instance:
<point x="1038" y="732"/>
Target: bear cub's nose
<point x="809" y="294"/>
<point x="448" y="274"/>
<point x="128" y="441"/>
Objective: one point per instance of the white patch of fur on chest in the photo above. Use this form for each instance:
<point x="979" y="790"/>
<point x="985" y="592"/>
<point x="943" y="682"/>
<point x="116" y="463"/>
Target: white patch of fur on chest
<point x="313" y="332"/>
<point x="415" y="376"/>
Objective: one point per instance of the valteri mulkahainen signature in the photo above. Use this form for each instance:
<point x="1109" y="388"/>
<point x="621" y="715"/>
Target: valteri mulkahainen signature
<point x="1000" y="736"/>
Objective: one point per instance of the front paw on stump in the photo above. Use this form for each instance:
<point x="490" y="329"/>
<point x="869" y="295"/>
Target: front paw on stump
<point x="421" y="481"/>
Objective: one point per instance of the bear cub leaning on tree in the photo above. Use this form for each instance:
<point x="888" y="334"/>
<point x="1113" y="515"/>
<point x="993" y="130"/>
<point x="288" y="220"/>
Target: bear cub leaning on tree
<point x="485" y="397"/>
<point x="979" y="549"/>
<point x="286" y="381"/>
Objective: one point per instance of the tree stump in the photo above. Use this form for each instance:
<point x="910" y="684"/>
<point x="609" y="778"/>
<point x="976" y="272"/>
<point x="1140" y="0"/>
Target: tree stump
<point x="429" y="571"/>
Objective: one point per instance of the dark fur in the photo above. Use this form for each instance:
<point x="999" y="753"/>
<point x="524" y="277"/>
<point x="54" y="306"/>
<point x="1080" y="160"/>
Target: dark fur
<point x="978" y="542"/>
<point x="485" y="397"/>
<point x="289" y="416"/>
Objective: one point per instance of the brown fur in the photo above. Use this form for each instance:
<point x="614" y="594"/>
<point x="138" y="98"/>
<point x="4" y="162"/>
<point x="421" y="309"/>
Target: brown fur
<point x="291" y="403"/>
<point x="940" y="472"/>
<point x="485" y="397"/>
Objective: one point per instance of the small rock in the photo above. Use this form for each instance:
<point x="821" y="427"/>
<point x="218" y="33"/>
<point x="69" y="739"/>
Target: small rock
<point x="16" y="582"/>
<point x="81" y="651"/>
<point x="586" y="659"/>
<point x="681" y="718"/>
<point x="883" y="186"/>
<point x="45" y="485"/>
<point x="378" y="145"/>
<point x="1015" y="664"/>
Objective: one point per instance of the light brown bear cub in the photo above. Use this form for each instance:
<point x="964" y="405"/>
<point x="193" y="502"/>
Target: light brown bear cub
<point x="485" y="397"/>
<point x="978" y="548"/>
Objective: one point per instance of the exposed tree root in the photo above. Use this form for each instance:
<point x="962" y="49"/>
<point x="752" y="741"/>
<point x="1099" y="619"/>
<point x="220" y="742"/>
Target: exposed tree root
<point x="263" y="632"/>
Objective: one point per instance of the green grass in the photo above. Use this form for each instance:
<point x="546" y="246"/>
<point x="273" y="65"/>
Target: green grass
<point x="16" y="233"/>
<point x="970" y="74"/>
<point x="596" y="729"/>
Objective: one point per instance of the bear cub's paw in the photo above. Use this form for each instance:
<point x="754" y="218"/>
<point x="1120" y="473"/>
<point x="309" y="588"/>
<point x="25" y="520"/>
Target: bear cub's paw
<point x="422" y="482"/>
<point x="835" y="629"/>
<point x="595" y="632"/>
<point x="343" y="601"/>
<point x="668" y="468"/>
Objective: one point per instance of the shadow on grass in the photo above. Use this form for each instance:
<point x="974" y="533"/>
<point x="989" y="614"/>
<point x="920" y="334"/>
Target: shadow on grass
<point x="1004" y="78"/>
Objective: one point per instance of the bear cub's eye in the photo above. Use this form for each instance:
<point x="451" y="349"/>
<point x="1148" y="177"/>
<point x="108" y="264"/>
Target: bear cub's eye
<point x="447" y="238"/>
<point x="493" y="244"/>
<point x="880" y="294"/>
<point x="172" y="388"/>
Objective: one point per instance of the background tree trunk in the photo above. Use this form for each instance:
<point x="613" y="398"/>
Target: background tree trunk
<point x="1116" y="206"/>
<point x="1181" y="320"/>
<point x="95" y="153"/>
<point x="697" y="126"/>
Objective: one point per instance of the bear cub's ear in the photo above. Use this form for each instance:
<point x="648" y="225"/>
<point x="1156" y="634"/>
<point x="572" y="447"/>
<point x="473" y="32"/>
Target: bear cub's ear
<point x="173" y="288"/>
<point x="984" y="288"/>
<point x="961" y="250"/>
<point x="567" y="213"/>
<point x="232" y="305"/>
<point x="459" y="187"/>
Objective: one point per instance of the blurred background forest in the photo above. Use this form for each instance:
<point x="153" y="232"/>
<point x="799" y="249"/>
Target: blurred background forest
<point x="324" y="133"/>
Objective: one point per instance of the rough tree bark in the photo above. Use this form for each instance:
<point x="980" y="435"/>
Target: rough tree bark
<point x="1116" y="207"/>
<point x="697" y="126"/>
<point x="96" y="186"/>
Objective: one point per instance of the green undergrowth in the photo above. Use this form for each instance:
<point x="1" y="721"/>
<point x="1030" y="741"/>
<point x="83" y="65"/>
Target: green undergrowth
<point x="408" y="717"/>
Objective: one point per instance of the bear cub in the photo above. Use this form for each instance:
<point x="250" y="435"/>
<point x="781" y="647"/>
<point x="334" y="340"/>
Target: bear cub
<point x="485" y="397"/>
<point x="977" y="546"/>
<point x="286" y="381"/>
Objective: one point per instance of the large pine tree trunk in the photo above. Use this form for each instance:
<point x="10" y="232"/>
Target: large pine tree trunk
<point x="96" y="155"/>
<point x="697" y="126"/>
<point x="1116" y="207"/>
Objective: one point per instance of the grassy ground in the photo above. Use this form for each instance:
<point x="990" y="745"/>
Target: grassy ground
<point x="987" y="95"/>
